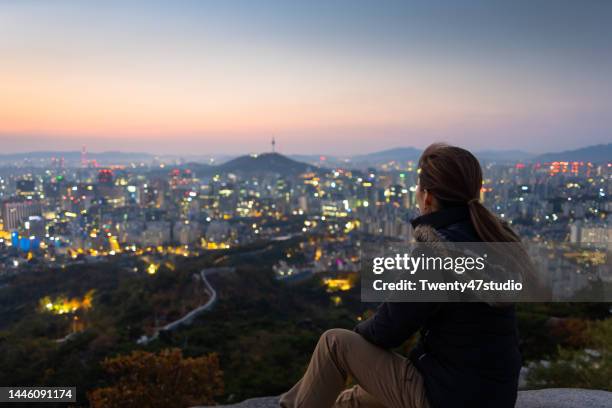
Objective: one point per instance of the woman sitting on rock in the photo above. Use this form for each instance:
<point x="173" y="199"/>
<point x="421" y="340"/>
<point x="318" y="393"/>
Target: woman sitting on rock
<point x="467" y="355"/>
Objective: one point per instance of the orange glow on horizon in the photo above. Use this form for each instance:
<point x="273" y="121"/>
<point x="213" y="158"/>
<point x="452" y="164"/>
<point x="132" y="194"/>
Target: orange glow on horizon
<point x="104" y="108"/>
<point x="45" y="98"/>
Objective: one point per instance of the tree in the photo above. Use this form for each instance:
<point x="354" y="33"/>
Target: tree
<point x="579" y="368"/>
<point x="159" y="380"/>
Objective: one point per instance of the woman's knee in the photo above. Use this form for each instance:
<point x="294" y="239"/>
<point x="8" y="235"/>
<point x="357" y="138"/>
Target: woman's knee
<point x="337" y="334"/>
<point x="335" y="338"/>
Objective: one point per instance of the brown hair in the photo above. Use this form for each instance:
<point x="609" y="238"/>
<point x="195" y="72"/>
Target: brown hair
<point x="454" y="177"/>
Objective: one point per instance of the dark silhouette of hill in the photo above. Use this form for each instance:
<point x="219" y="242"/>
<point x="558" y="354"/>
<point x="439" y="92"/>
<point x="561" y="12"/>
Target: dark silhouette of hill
<point x="249" y="164"/>
<point x="597" y="154"/>
<point x="404" y="154"/>
<point x="503" y="155"/>
<point x="397" y="154"/>
<point x="108" y="156"/>
<point x="263" y="163"/>
<point x="277" y="163"/>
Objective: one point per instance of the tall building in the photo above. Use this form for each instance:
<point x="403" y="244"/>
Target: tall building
<point x="593" y="234"/>
<point x="105" y="177"/>
<point x="26" y="188"/>
<point x="15" y="212"/>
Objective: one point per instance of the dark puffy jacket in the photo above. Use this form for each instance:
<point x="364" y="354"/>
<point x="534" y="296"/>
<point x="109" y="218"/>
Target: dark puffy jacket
<point x="468" y="352"/>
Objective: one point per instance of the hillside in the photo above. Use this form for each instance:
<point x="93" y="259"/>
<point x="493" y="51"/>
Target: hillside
<point x="263" y="163"/>
<point x="400" y="154"/>
<point x="404" y="154"/>
<point x="278" y="324"/>
<point x="597" y="154"/>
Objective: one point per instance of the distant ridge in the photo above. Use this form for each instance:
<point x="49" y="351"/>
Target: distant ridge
<point x="275" y="162"/>
<point x="597" y="154"/>
<point x="503" y="155"/>
<point x="405" y="154"/>
<point x="76" y="155"/>
<point x="396" y="154"/>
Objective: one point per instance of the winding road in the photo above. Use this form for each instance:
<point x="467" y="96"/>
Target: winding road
<point x="188" y="318"/>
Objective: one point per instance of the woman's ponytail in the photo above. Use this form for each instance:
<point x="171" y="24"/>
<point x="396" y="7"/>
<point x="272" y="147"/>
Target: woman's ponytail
<point x="453" y="175"/>
<point x="488" y="227"/>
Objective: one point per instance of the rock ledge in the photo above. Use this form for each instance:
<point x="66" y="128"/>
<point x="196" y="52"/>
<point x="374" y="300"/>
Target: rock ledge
<point x="564" y="398"/>
<point x="546" y="398"/>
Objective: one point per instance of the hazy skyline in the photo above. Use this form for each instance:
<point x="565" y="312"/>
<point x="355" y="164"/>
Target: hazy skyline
<point x="333" y="77"/>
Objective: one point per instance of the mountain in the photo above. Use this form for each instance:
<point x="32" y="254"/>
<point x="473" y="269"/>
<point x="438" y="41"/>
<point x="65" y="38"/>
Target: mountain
<point x="503" y="155"/>
<point x="404" y="154"/>
<point x="597" y="154"/>
<point x="323" y="160"/>
<point x="75" y="156"/>
<point x="263" y="163"/>
<point x="400" y="154"/>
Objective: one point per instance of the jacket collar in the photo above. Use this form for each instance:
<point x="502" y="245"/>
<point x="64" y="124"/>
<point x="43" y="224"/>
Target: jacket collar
<point x="443" y="217"/>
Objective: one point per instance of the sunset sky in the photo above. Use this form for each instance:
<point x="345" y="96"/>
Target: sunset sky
<point x="321" y="76"/>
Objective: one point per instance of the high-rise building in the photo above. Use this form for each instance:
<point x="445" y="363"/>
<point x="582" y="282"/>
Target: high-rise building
<point x="15" y="212"/>
<point x="26" y="188"/>
<point x="105" y="177"/>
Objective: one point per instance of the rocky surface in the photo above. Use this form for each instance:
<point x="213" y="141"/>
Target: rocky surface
<point x="265" y="402"/>
<point x="564" y="398"/>
<point x="548" y="398"/>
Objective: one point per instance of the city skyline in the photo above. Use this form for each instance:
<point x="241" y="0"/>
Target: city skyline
<point x="508" y="154"/>
<point x="192" y="192"/>
<point x="322" y="77"/>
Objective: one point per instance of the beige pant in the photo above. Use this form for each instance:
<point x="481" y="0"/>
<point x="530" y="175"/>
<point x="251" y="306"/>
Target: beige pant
<point x="385" y="379"/>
